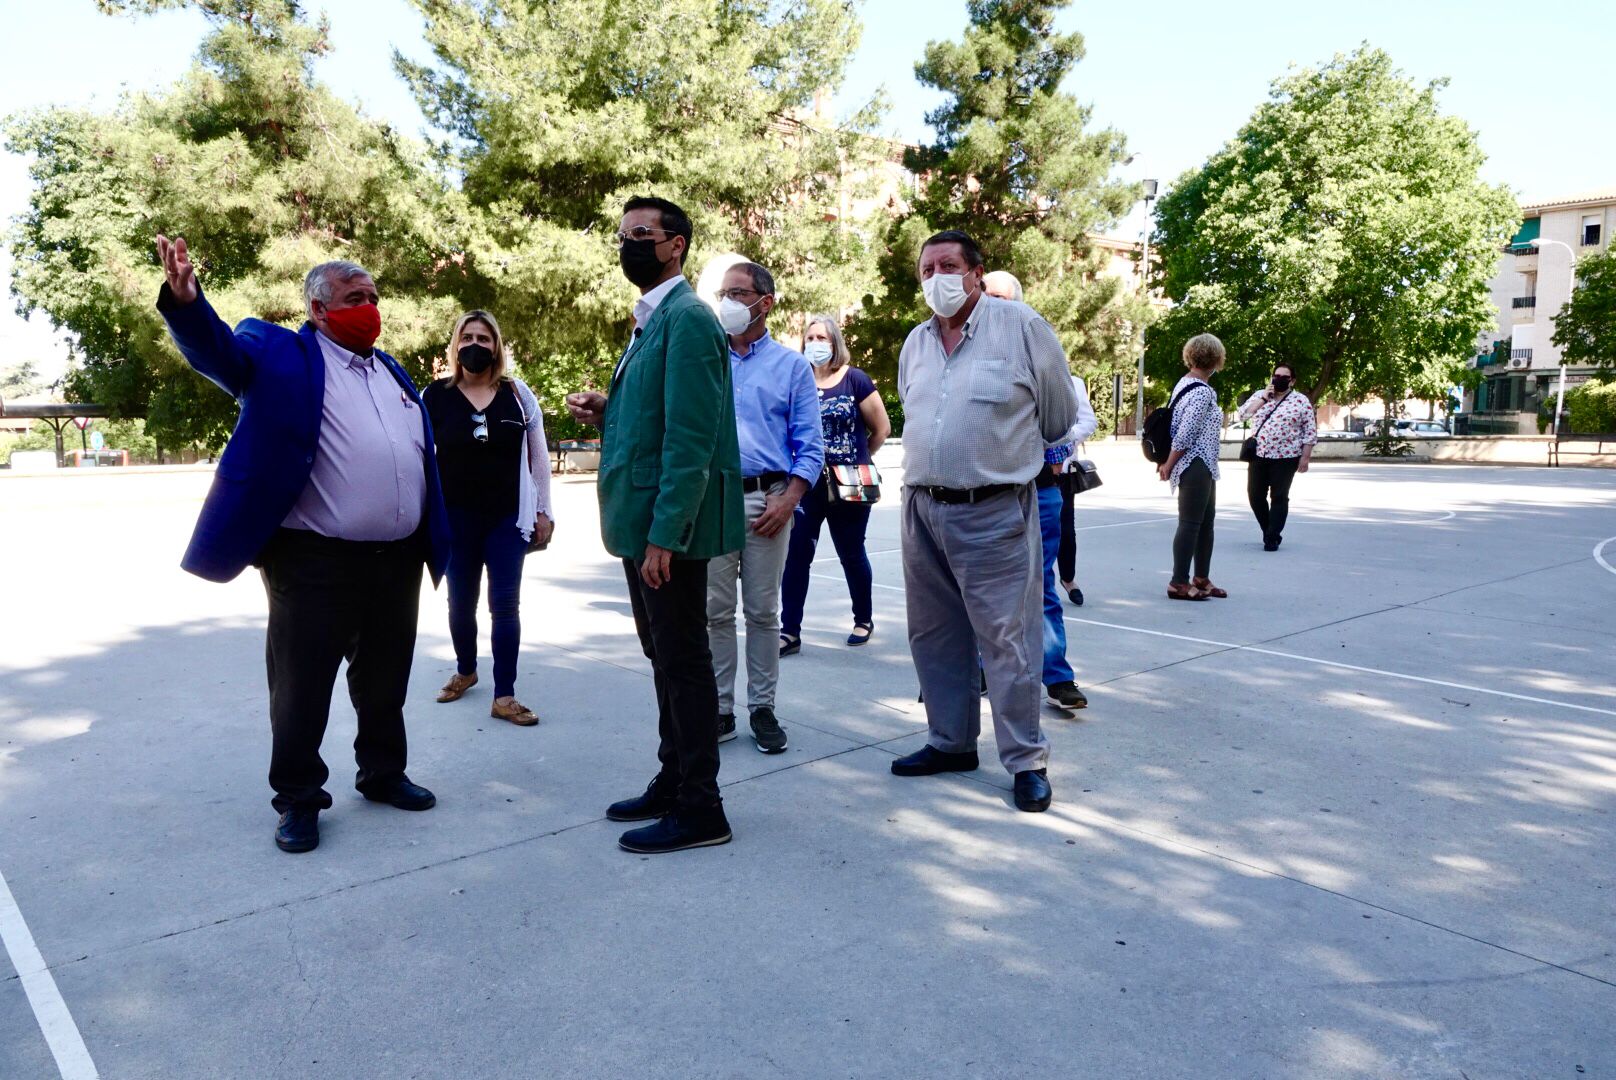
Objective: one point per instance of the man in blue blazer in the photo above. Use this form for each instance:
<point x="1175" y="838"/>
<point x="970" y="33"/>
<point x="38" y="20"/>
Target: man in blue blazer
<point x="329" y="485"/>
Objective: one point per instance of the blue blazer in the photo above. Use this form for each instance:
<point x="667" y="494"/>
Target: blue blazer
<point x="278" y="377"/>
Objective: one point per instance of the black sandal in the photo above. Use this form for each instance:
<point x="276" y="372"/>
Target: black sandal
<point x="790" y="644"/>
<point x="856" y="638"/>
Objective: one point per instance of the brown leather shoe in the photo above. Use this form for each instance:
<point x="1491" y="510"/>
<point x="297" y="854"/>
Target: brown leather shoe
<point x="515" y="712"/>
<point x="456" y="688"/>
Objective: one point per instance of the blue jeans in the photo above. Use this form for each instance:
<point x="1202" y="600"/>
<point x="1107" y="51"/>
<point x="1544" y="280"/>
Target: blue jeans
<point x="848" y="522"/>
<point x="1056" y="669"/>
<point x="478" y="541"/>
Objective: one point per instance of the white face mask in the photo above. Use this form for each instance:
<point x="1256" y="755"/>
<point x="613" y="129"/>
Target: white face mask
<point x="817" y="352"/>
<point x="734" y="317"/>
<point x="945" y="293"/>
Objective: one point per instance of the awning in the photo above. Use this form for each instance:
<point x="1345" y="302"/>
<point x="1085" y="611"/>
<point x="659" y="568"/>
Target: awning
<point x="1529" y="231"/>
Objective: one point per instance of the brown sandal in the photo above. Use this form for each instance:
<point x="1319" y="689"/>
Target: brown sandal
<point x="1206" y="586"/>
<point x="1185" y="592"/>
<point x="515" y="712"/>
<point x="456" y="688"/>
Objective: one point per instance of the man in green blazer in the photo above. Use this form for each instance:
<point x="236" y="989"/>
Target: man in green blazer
<point x="670" y="499"/>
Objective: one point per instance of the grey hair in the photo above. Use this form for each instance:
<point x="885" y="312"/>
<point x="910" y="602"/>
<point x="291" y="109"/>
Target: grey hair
<point x="839" y="356"/>
<point x="321" y="282"/>
<point x="1006" y="278"/>
<point x="762" y="280"/>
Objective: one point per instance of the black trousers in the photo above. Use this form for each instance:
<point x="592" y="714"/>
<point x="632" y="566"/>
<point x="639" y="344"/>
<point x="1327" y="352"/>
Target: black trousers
<point x="1270" y="479"/>
<point x="330" y="601"/>
<point x="672" y="624"/>
<point x="1066" y="554"/>
<point x="1197" y="508"/>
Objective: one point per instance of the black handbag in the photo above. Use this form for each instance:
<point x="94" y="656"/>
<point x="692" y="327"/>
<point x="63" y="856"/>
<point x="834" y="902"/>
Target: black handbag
<point x="1248" y="449"/>
<point x="1085" y="475"/>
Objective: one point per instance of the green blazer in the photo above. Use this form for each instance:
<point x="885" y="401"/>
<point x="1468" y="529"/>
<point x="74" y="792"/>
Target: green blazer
<point x="670" y="464"/>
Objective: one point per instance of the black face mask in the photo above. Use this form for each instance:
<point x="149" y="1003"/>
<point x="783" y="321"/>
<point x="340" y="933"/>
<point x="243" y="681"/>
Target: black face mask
<point x="476" y="358"/>
<point x="1282" y="383"/>
<point x="639" y="261"/>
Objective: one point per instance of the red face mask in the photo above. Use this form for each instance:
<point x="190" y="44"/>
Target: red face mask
<point x="355" y="327"/>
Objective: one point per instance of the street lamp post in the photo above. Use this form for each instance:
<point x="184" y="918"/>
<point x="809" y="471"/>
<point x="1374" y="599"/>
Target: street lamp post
<point x="1144" y="291"/>
<point x="1559" y="396"/>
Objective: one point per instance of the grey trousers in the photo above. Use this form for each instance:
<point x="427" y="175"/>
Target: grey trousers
<point x="973" y="575"/>
<point x="756" y="570"/>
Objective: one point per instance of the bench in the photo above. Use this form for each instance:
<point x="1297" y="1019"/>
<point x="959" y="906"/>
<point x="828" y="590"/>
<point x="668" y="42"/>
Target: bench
<point x="1564" y="437"/>
<point x="573" y="446"/>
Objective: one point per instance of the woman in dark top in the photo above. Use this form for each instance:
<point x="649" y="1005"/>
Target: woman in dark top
<point x="495" y="469"/>
<point x="855" y="424"/>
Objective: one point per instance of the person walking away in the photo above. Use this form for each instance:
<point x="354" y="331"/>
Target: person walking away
<point x="329" y="485"/>
<point x="669" y="487"/>
<point x="782" y="456"/>
<point x="1060" y="681"/>
<point x="1286" y="431"/>
<point x="496" y="483"/>
<point x="1192" y="469"/>
<point x="985" y="388"/>
<point x="1087" y="424"/>
<point x="854" y="421"/>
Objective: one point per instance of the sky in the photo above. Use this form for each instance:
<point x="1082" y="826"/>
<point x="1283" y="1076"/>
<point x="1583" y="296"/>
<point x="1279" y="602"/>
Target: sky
<point x="1178" y="78"/>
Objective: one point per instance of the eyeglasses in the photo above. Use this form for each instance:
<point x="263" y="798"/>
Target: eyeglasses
<point x="641" y="232"/>
<point x="480" y="432"/>
<point x="736" y="294"/>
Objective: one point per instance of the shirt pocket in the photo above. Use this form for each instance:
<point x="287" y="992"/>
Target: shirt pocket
<point x="992" y="381"/>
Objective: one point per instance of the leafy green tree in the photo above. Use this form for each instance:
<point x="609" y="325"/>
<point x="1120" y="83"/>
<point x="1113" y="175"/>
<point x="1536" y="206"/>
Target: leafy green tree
<point x="20" y="380"/>
<point x="1585" y="328"/>
<point x="264" y="172"/>
<point x="1015" y="165"/>
<point x="558" y="112"/>
<point x="1343" y="230"/>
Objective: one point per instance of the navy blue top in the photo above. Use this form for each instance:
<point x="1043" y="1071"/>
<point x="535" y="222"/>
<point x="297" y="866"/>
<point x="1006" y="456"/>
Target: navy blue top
<point x="847" y="440"/>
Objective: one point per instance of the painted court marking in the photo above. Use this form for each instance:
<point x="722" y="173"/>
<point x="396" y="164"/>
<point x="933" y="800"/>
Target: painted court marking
<point x="1599" y="554"/>
<point x="66" y="1044"/>
<point x="1236" y="647"/>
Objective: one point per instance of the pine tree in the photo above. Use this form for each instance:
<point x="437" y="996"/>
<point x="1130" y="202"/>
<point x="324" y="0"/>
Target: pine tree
<point x="1015" y="165"/>
<point x="264" y="172"/>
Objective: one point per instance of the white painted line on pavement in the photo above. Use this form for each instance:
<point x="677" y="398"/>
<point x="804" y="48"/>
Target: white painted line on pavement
<point x="66" y="1044"/>
<point x="1236" y="647"/>
<point x="1599" y="554"/>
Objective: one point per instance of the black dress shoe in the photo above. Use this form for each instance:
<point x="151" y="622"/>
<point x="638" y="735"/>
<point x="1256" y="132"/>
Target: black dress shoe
<point x="402" y="794"/>
<point x="679" y="829"/>
<point x="657" y="800"/>
<point x="929" y="761"/>
<point x="1032" y="791"/>
<point x="1075" y="595"/>
<point x="299" y="830"/>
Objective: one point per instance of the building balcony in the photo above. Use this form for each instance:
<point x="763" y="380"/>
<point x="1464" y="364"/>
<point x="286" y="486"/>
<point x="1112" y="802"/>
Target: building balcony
<point x="1525" y="259"/>
<point x="1523" y="302"/>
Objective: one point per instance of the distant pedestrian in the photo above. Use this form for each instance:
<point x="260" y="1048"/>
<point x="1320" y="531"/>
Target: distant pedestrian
<point x="985" y="389"/>
<point x="1286" y="430"/>
<point x="1192" y="468"/>
<point x="329" y="486"/>
<point x="1060" y="681"/>
<point x="854" y="421"/>
<point x="496" y="481"/>
<point x="782" y="457"/>
<point x="1066" y="558"/>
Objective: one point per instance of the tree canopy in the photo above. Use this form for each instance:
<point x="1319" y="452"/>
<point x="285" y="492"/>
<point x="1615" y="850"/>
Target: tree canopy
<point x="1016" y="165"/>
<point x="1343" y="230"/>
<point x="1585" y="328"/>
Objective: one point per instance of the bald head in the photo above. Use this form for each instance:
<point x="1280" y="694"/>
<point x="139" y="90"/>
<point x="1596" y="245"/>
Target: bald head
<point x="1003" y="284"/>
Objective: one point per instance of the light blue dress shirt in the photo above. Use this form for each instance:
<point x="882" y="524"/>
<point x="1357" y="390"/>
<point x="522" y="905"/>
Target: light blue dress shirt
<point x="777" y="411"/>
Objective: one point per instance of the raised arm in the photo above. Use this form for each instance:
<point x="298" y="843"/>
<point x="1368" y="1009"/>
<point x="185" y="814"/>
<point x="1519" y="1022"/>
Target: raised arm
<point x="207" y="344"/>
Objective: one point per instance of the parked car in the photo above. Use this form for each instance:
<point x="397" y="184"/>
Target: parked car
<point x="1337" y="433"/>
<point x="1412" y="429"/>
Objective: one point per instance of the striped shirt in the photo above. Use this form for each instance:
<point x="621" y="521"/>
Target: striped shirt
<point x="1197" y="424"/>
<point x="985" y="414"/>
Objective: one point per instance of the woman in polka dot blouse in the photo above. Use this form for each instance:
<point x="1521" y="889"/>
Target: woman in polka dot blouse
<point x="1286" y="430"/>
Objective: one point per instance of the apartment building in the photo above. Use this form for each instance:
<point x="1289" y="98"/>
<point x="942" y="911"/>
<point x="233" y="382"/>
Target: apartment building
<point x="1533" y="282"/>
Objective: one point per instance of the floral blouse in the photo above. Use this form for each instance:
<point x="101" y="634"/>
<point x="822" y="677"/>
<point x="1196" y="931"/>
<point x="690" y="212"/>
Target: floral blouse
<point x="1197" y="424"/>
<point x="1288" y="425"/>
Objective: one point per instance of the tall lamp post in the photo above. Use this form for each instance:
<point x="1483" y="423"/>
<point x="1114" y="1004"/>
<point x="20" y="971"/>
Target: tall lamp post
<point x="1144" y="291"/>
<point x="1559" y="397"/>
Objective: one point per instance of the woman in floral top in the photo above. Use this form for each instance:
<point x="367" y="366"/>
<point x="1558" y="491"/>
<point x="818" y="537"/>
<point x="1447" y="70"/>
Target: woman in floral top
<point x="1193" y="468"/>
<point x="855" y="424"/>
<point x="1286" y="431"/>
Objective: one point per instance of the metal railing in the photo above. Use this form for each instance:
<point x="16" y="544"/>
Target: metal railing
<point x="1524" y="302"/>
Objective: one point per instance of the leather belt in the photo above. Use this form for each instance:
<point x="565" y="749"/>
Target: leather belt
<point x="967" y="495"/>
<point x="762" y="481"/>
